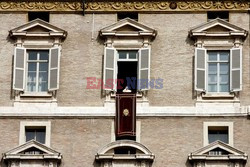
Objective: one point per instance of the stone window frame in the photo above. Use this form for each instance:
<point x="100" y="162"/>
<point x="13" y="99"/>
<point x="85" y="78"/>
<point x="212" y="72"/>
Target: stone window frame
<point x="24" y="124"/>
<point x="230" y="126"/>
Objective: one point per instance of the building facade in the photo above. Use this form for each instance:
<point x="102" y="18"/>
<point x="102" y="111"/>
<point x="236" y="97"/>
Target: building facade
<point x="124" y="84"/>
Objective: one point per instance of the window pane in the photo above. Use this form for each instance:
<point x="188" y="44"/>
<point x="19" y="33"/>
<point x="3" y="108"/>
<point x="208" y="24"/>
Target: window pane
<point x="212" y="78"/>
<point x="44" y="55"/>
<point x="32" y="55"/>
<point x="221" y="137"/>
<point x="40" y="136"/>
<point x="224" y="56"/>
<point x="29" y="135"/>
<point x="224" y="88"/>
<point x="132" y="54"/>
<point x="212" y="56"/>
<point x="31" y="82"/>
<point x="224" y="79"/>
<point x="43" y="67"/>
<point x="212" y="87"/>
<point x="122" y="54"/>
<point x="224" y="68"/>
<point x="31" y="66"/>
<point x="212" y="68"/>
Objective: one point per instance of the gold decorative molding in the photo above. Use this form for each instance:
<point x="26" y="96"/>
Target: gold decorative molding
<point x="107" y="6"/>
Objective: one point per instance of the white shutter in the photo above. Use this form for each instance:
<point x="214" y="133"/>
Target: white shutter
<point x="110" y="69"/>
<point x="19" y="69"/>
<point x="144" y="69"/>
<point x="54" y="68"/>
<point x="200" y="69"/>
<point x="235" y="69"/>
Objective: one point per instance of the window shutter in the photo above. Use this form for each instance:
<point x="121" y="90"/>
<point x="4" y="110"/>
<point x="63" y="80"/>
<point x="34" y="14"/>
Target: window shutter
<point x="236" y="69"/>
<point x="110" y="69"/>
<point x="19" y="69"/>
<point x="144" y="69"/>
<point x="54" y="64"/>
<point x="200" y="69"/>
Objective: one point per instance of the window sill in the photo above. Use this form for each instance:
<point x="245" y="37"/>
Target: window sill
<point x="218" y="95"/>
<point x="29" y="94"/>
<point x="138" y="95"/>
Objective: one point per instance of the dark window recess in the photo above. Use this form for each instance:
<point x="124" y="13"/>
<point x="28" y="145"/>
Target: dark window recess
<point x="127" y="76"/>
<point x="38" y="15"/>
<point x="218" y="133"/>
<point x="221" y="15"/>
<point x="125" y="150"/>
<point x="35" y="133"/>
<point x="131" y="15"/>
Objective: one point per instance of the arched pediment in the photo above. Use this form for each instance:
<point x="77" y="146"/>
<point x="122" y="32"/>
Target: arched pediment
<point x="140" y="148"/>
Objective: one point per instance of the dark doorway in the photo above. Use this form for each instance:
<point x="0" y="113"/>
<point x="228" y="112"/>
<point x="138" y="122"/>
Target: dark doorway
<point x="127" y="76"/>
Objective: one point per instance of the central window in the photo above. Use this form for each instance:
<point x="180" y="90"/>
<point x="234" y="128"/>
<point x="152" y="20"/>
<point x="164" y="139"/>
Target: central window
<point x="37" y="72"/>
<point x="127" y="70"/>
<point x="218" y="71"/>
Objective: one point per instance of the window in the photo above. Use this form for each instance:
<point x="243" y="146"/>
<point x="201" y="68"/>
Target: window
<point x="218" y="71"/>
<point x="222" y="131"/>
<point x="131" y="15"/>
<point x="38" y="15"/>
<point x="36" y="133"/>
<point x="37" y="130"/>
<point x="136" y="77"/>
<point x="37" y="72"/>
<point x="40" y="73"/>
<point x="214" y="15"/>
<point x="217" y="133"/>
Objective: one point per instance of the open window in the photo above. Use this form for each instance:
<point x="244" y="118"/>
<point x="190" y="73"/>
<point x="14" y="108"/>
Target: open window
<point x="127" y="56"/>
<point x="218" y="60"/>
<point x="36" y="62"/>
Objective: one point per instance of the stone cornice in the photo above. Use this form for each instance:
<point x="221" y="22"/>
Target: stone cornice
<point x="119" y="5"/>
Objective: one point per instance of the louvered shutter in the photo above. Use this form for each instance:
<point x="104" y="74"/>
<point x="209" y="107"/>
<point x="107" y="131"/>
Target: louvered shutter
<point x="236" y="69"/>
<point x="144" y="69"/>
<point x="54" y="68"/>
<point x="19" y="69"/>
<point x="110" y="69"/>
<point x="200" y="69"/>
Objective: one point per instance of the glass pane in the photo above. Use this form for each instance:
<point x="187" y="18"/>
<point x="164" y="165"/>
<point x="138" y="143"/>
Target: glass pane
<point x="212" y="78"/>
<point x="221" y="137"/>
<point x="44" y="55"/>
<point x="212" y="56"/>
<point x="31" y="82"/>
<point x="212" y="68"/>
<point x="224" y="56"/>
<point x="29" y="135"/>
<point x="224" y="88"/>
<point x="132" y="54"/>
<point x="224" y="68"/>
<point x="212" y="88"/>
<point x="224" y="79"/>
<point x="32" y="55"/>
<point x="31" y="66"/>
<point x="122" y="54"/>
<point x="40" y="136"/>
<point x="43" y="67"/>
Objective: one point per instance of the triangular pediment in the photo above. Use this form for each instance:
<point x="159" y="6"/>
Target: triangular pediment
<point x="218" y="149"/>
<point x="31" y="148"/>
<point x="127" y="26"/>
<point x="218" y="27"/>
<point x="37" y="27"/>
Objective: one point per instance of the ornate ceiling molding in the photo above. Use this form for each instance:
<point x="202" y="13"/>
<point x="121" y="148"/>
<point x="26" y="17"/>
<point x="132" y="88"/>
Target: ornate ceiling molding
<point x="140" y="6"/>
